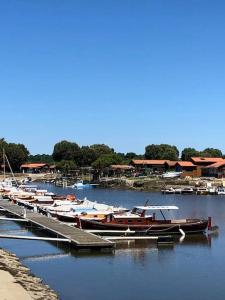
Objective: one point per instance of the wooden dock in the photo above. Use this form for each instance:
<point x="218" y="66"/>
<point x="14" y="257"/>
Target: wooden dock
<point x="77" y="237"/>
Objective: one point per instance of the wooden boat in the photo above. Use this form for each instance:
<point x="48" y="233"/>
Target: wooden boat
<point x="138" y="221"/>
<point x="59" y="197"/>
<point x="89" y="214"/>
<point x="26" y="197"/>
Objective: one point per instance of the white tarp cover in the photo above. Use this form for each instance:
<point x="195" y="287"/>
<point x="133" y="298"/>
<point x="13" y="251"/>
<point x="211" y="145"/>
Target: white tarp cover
<point x="157" y="207"/>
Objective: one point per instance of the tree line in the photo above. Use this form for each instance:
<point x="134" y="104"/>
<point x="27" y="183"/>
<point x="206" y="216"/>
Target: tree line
<point x="16" y="153"/>
<point x="168" y="152"/>
<point x="69" y="155"/>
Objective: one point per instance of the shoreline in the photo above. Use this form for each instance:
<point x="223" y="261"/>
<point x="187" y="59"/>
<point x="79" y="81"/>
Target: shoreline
<point x="156" y="185"/>
<point x="18" y="280"/>
<point x="148" y="184"/>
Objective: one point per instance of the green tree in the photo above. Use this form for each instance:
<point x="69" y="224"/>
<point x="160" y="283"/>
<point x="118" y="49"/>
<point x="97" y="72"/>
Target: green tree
<point x="130" y="155"/>
<point x="123" y="159"/>
<point x="3" y="145"/>
<point x="42" y="158"/>
<point x="211" y="152"/>
<point x="162" y="151"/>
<point x="66" y="166"/>
<point x="101" y="149"/>
<point x="87" y="157"/>
<point x="65" y="150"/>
<point x="106" y="160"/>
<point x="17" y="154"/>
<point x="187" y="153"/>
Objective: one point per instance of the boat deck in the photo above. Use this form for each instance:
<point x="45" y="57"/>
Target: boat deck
<point x="77" y="237"/>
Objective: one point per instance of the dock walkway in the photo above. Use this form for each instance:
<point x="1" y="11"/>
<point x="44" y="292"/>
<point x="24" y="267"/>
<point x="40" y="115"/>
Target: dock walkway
<point x="77" y="237"/>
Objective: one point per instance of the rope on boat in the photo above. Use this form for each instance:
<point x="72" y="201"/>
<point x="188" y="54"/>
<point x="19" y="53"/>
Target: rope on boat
<point x="147" y="230"/>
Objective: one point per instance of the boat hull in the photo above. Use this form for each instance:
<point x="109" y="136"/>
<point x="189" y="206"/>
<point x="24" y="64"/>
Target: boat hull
<point x="66" y="218"/>
<point x="149" y="229"/>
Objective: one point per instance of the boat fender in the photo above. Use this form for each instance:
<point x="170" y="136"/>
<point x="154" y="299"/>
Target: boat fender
<point x="182" y="232"/>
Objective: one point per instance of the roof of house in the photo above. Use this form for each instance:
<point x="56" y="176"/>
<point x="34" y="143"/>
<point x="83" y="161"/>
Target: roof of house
<point x="122" y="167"/>
<point x="206" y="159"/>
<point x="149" y="161"/>
<point x="185" y="164"/>
<point x="216" y="165"/>
<point x="171" y="163"/>
<point x="33" y="165"/>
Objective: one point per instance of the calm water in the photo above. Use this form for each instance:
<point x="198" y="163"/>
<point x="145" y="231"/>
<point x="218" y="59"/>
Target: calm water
<point x="193" y="269"/>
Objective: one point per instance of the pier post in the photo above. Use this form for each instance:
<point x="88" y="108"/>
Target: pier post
<point x="209" y="223"/>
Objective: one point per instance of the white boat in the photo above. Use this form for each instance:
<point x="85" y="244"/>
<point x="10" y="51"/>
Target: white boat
<point x="221" y="191"/>
<point x="170" y="190"/>
<point x="81" y="185"/>
<point x="212" y="190"/>
<point x="187" y="190"/>
<point x="69" y="206"/>
<point x="178" y="191"/>
<point x="171" y="174"/>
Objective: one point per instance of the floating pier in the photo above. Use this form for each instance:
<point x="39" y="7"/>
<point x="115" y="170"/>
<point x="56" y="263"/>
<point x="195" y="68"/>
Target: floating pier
<point x="23" y="237"/>
<point x="74" y="236"/>
<point x="13" y="219"/>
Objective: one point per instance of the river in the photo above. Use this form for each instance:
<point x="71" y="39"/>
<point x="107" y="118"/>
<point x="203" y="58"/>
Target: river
<point x="191" y="269"/>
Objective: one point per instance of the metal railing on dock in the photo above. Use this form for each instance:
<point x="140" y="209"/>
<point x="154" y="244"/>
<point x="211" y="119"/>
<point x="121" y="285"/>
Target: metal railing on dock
<point x="75" y="236"/>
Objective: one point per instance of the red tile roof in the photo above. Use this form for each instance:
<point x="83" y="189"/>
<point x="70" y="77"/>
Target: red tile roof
<point x="206" y="159"/>
<point x="185" y="164"/>
<point x="216" y="165"/>
<point x="171" y="163"/>
<point x="149" y="161"/>
<point x="33" y="166"/>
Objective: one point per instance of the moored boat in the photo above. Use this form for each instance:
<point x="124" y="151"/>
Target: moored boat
<point x="171" y="174"/>
<point x="137" y="220"/>
<point x="187" y="191"/>
<point x="212" y="190"/>
<point x="75" y="216"/>
<point x="170" y="190"/>
<point x="81" y="185"/>
<point x="202" y="191"/>
<point x="220" y="191"/>
<point x="178" y="191"/>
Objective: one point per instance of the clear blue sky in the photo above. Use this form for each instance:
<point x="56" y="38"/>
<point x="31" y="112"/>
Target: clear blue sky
<point x="124" y="73"/>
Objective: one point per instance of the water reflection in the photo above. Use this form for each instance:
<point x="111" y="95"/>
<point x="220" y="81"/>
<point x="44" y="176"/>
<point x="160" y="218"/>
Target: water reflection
<point x="140" y="250"/>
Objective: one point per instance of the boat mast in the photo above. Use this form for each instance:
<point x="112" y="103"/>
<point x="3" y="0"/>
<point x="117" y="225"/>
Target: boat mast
<point x="6" y="160"/>
<point x="3" y="156"/>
